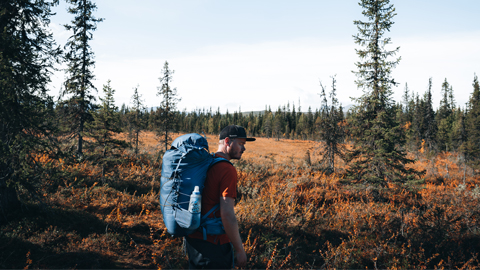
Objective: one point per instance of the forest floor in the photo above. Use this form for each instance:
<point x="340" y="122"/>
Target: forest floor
<point x="291" y="214"/>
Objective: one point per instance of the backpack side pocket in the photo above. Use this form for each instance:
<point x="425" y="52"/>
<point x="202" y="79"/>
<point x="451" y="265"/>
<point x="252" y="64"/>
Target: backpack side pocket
<point x="186" y="219"/>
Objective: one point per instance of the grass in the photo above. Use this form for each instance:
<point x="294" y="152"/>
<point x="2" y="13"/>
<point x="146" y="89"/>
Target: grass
<point x="291" y="215"/>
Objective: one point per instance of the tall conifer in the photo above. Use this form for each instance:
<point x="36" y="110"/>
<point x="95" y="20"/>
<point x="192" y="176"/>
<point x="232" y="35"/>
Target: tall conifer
<point x="408" y="106"/>
<point x="104" y="127"/>
<point x="168" y="105"/>
<point x="136" y="121"/>
<point x="429" y="124"/>
<point x="79" y="103"/>
<point x="459" y="133"/>
<point x="444" y="118"/>
<point x="406" y="113"/>
<point x="330" y="128"/>
<point x="268" y="124"/>
<point x="378" y="156"/>
<point x="472" y="120"/>
<point x="27" y="58"/>
<point x="278" y="124"/>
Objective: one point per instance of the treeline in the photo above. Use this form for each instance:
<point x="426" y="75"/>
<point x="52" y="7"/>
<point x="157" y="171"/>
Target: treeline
<point x="283" y="123"/>
<point x="447" y="128"/>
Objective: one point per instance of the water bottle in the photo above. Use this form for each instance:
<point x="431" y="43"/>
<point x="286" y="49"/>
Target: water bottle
<point x="195" y="205"/>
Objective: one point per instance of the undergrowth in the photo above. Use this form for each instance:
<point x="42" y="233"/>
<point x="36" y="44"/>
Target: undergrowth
<point x="291" y="215"/>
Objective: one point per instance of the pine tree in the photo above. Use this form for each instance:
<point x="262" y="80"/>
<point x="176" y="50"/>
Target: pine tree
<point x="378" y="156"/>
<point x="330" y="128"/>
<point x="78" y="106"/>
<point x="27" y="58"/>
<point x="168" y="105"/>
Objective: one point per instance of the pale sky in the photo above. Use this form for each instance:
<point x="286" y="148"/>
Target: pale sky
<point x="251" y="54"/>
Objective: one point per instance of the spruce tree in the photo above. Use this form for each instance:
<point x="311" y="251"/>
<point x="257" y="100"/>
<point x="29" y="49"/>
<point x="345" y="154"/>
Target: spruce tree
<point x="268" y="124"/>
<point x="78" y="89"/>
<point x="293" y="126"/>
<point x="459" y="139"/>
<point x="406" y="117"/>
<point x="27" y="58"/>
<point x="424" y="127"/>
<point x="444" y="118"/>
<point x="150" y="119"/>
<point x="278" y="124"/>
<point x="168" y="105"/>
<point x="310" y="123"/>
<point x="408" y="105"/>
<point x="429" y="124"/>
<point x="302" y="127"/>
<point x="259" y="124"/>
<point x="124" y="113"/>
<point x="136" y="121"/>
<point x="104" y="128"/>
<point x="417" y="122"/>
<point x="472" y="121"/>
<point x="330" y="128"/>
<point x="378" y="156"/>
<point x="459" y="134"/>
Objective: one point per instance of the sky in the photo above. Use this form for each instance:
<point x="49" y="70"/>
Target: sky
<point x="247" y="55"/>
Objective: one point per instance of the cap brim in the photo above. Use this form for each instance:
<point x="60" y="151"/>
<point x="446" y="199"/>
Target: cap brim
<point x="247" y="139"/>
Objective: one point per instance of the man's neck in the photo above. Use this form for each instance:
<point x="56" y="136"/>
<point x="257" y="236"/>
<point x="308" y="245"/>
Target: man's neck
<point x="222" y="154"/>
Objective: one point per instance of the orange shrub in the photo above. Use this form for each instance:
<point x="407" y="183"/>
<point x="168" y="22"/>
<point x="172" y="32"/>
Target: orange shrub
<point x="291" y="215"/>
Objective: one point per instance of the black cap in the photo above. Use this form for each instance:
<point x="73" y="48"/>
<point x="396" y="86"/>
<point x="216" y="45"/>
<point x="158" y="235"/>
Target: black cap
<point x="234" y="132"/>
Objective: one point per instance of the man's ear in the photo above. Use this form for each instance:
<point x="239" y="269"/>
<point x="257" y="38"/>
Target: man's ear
<point x="227" y="141"/>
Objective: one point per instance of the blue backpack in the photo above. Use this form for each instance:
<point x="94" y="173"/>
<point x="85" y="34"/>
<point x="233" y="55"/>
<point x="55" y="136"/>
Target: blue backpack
<point x="185" y="166"/>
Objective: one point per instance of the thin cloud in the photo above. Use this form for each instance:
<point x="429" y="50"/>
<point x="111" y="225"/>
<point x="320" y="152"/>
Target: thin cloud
<point x="252" y="76"/>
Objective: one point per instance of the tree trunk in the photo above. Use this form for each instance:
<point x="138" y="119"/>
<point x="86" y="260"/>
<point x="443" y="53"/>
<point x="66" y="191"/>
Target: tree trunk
<point x="8" y="201"/>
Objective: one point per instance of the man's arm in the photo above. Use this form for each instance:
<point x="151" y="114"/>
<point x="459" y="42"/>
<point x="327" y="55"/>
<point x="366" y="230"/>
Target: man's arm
<point x="230" y="224"/>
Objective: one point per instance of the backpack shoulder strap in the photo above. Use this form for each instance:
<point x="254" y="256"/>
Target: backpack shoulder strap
<point x="218" y="159"/>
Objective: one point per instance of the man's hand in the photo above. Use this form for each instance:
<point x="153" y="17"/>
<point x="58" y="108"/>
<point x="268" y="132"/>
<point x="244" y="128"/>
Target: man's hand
<point x="231" y="228"/>
<point x="241" y="259"/>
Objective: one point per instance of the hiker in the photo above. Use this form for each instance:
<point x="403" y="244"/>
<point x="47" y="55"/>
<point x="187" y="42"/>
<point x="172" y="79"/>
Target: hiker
<point x="221" y="188"/>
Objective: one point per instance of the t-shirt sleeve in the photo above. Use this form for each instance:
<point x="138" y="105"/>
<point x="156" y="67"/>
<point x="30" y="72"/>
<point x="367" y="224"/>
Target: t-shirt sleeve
<point x="228" y="185"/>
<point x="228" y="181"/>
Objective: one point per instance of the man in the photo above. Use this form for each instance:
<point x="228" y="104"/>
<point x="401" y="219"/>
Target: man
<point x="221" y="188"/>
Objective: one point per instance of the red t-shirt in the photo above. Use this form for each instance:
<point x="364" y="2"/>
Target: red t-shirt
<point x="221" y="181"/>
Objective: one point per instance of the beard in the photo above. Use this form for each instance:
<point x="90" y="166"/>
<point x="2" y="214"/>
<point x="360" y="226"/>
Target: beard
<point x="236" y="154"/>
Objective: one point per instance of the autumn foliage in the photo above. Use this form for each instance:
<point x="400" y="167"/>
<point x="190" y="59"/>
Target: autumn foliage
<point x="291" y="214"/>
